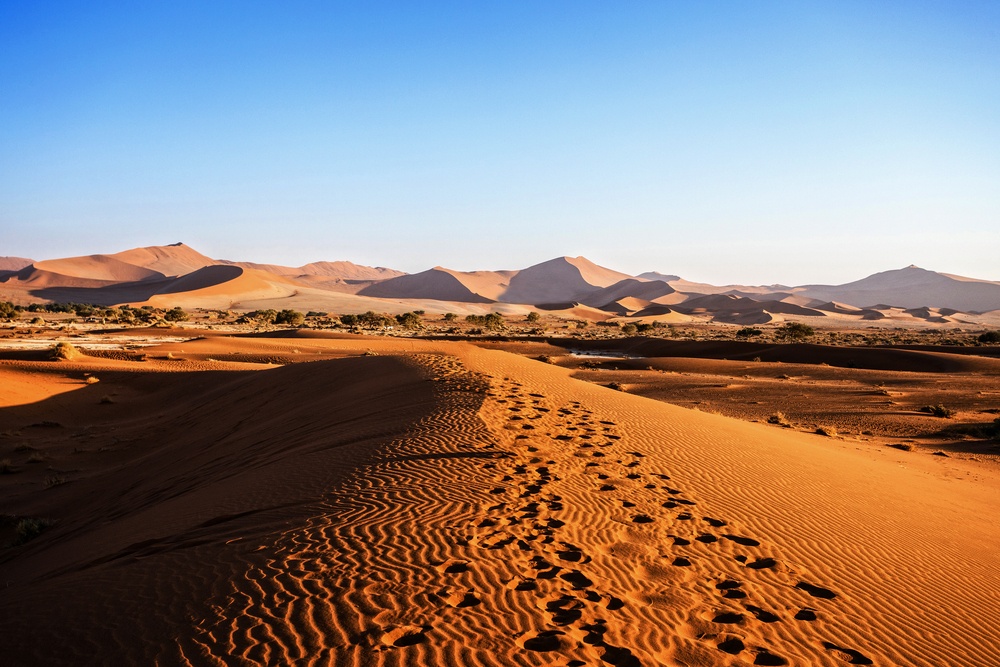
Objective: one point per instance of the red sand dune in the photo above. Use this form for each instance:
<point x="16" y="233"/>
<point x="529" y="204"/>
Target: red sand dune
<point x="439" y="504"/>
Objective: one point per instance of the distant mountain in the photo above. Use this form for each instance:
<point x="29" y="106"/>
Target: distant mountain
<point x="911" y="287"/>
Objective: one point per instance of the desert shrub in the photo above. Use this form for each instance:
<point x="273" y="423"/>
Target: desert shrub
<point x="795" y="331"/>
<point x="748" y="332"/>
<point x="28" y="529"/>
<point x="494" y="322"/>
<point x="373" y="320"/>
<point x="938" y="410"/>
<point x="64" y="351"/>
<point x="53" y="480"/>
<point x="828" y="431"/>
<point x="92" y="380"/>
<point x="777" y="418"/>
<point x="349" y="320"/>
<point x="317" y="313"/>
<point x="532" y="317"/>
<point x="421" y="313"/>
<point x="450" y="317"/>
<point x="7" y="311"/>
<point x="989" y="337"/>
<point x="290" y="317"/>
<point x="409" y="320"/>
<point x="617" y="386"/>
<point x="175" y="315"/>
<point x="630" y="329"/>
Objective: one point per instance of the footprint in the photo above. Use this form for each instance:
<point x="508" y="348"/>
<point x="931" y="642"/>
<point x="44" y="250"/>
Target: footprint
<point x="577" y="579"/>
<point x="762" y="564"/>
<point x="745" y="541"/>
<point x="404" y="635"/>
<point x="728" y="618"/>
<point x="848" y="655"/>
<point x="765" y="657"/>
<point x="816" y="591"/>
<point x="460" y="599"/>
<point x="762" y="615"/>
<point x="545" y="641"/>
<point x="732" y="646"/>
<point x="453" y="566"/>
<point x="805" y="614"/>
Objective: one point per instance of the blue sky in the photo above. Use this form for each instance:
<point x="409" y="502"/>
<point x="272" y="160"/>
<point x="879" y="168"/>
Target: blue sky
<point x="727" y="142"/>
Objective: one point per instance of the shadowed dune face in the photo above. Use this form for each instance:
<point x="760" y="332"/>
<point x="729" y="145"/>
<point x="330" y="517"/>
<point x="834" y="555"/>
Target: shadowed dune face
<point x="441" y="504"/>
<point x="559" y="280"/>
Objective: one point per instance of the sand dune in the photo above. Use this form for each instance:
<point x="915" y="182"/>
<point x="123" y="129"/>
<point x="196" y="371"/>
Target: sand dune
<point x="913" y="287"/>
<point x="559" y="280"/>
<point x="14" y="263"/>
<point x="102" y="268"/>
<point x="171" y="260"/>
<point x="443" y="284"/>
<point x="331" y="270"/>
<point x="629" y="289"/>
<point x="440" y="504"/>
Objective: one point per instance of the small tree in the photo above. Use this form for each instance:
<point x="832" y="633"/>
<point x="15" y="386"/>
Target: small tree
<point x="493" y="322"/>
<point x="989" y="337"/>
<point x="7" y="311"/>
<point x="748" y="332"/>
<point x="450" y="317"/>
<point x="175" y="314"/>
<point x="630" y="329"/>
<point x="409" y="320"/>
<point x="373" y="320"/>
<point x="533" y="317"/>
<point x="290" y="317"/>
<point x="795" y="331"/>
<point x="349" y="320"/>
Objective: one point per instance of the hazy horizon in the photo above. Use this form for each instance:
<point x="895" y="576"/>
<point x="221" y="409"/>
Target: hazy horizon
<point x="773" y="143"/>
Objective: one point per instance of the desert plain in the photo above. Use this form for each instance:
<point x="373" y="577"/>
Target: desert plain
<point x="514" y="471"/>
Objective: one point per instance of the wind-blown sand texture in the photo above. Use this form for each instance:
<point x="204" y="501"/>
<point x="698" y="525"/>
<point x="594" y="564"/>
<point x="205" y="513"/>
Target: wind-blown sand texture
<point x="441" y="504"/>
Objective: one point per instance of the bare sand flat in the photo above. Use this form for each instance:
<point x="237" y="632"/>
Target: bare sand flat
<point x="409" y="502"/>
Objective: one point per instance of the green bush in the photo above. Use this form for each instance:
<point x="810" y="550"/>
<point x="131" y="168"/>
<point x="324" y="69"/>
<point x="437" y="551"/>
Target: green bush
<point x="290" y="317"/>
<point x="409" y="320"/>
<point x="795" y="331"/>
<point x="533" y="317"/>
<point x="748" y="332"/>
<point x="7" y="311"/>
<point x="175" y="315"/>
<point x="989" y="337"/>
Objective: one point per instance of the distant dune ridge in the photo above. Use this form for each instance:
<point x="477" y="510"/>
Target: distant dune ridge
<point x="179" y="275"/>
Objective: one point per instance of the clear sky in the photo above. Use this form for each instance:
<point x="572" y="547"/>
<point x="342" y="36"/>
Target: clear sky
<point x="753" y="142"/>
